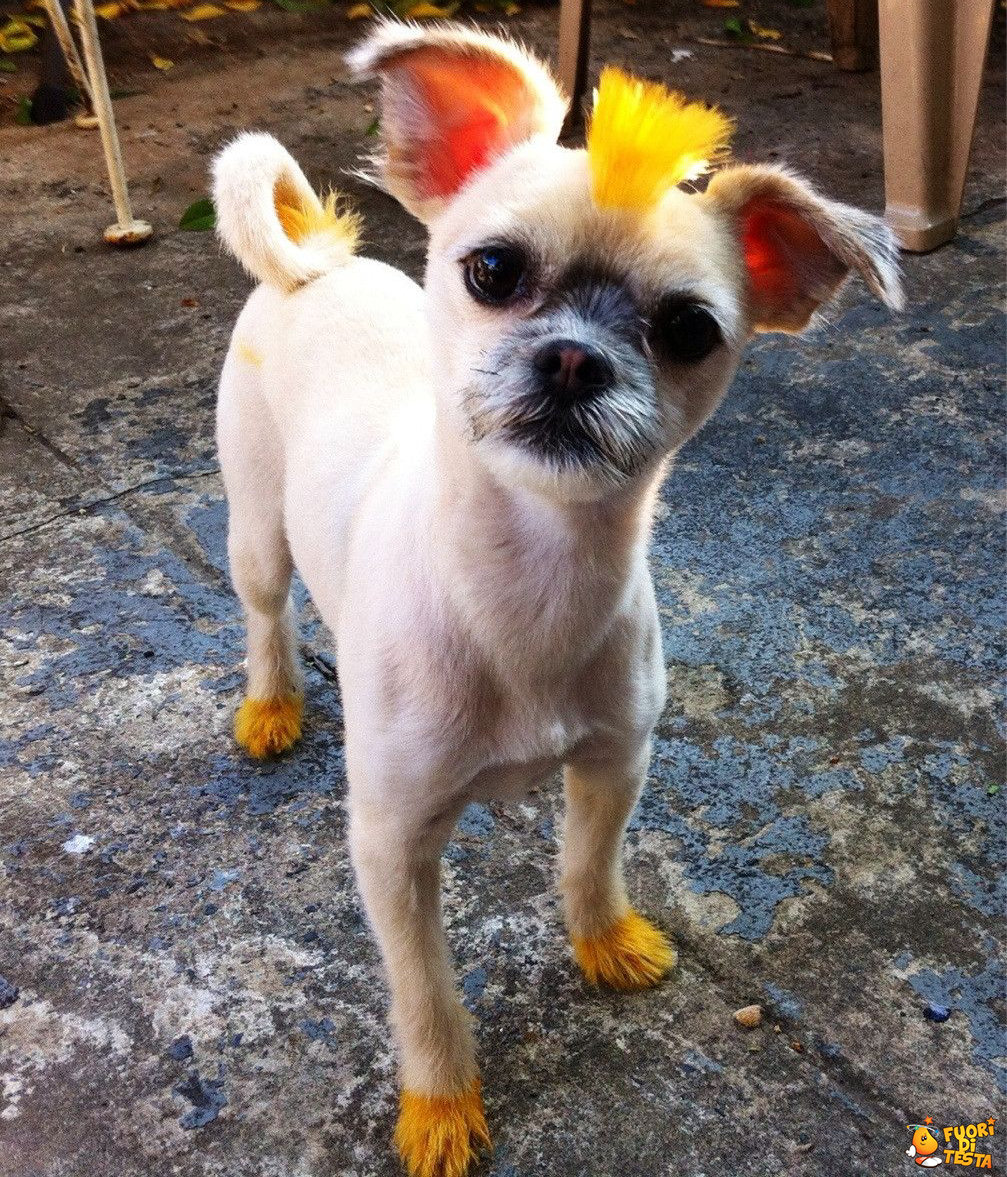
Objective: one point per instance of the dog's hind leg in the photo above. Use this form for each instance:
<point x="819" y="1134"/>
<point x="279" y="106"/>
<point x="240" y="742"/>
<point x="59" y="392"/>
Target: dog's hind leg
<point x="614" y="944"/>
<point x="269" y="719"/>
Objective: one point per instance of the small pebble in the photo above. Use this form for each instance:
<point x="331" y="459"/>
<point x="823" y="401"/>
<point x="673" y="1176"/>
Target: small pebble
<point x="937" y="1013"/>
<point x="749" y="1017"/>
<point x="79" y="844"/>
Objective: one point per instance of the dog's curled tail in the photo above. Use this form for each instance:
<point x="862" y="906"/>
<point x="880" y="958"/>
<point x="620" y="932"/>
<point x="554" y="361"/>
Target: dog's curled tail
<point x="271" y="219"/>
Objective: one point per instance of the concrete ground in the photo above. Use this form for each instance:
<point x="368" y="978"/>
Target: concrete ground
<point x="189" y="987"/>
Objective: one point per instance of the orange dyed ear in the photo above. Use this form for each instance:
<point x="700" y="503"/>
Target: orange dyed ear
<point x="798" y="248"/>
<point x="452" y="100"/>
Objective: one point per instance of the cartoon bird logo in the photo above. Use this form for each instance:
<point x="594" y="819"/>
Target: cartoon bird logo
<point x="924" y="1145"/>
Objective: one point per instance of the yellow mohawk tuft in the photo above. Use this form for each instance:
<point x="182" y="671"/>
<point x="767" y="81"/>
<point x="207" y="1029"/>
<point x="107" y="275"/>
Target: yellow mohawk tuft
<point x="303" y="219"/>
<point x="644" y="139"/>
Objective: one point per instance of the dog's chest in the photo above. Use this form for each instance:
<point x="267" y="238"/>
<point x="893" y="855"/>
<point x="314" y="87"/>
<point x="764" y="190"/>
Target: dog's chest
<point x="511" y="781"/>
<point x="523" y="756"/>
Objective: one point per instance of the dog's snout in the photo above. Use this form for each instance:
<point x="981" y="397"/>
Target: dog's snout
<point x="572" y="369"/>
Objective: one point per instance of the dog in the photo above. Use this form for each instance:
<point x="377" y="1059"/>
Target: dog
<point x="465" y="474"/>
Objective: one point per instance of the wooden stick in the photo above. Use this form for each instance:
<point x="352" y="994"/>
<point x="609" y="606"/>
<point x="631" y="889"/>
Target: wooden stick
<point x="766" y="47"/>
<point x="127" y="230"/>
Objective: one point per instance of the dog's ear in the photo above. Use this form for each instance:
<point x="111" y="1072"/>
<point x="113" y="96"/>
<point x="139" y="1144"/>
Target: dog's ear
<point x="452" y="99"/>
<point x="798" y="248"/>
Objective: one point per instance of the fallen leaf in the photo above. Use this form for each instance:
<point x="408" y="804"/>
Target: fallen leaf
<point x="190" y="302"/>
<point x="22" y="116"/>
<point x="426" y="11"/>
<point x="734" y="28"/>
<point x="721" y="3"/>
<point x="112" y="10"/>
<point x="300" y="5"/>
<point x="204" y="12"/>
<point x="763" y="32"/>
<point x="359" y="12"/>
<point x="992" y="790"/>
<point x="161" y="62"/>
<point x="7" y="66"/>
<point x="513" y="9"/>
<point x="199" y="216"/>
<point x="243" y="5"/>
<point x="17" y="35"/>
<point x="39" y="22"/>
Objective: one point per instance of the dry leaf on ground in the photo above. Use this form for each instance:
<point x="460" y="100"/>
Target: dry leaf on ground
<point x="204" y="12"/>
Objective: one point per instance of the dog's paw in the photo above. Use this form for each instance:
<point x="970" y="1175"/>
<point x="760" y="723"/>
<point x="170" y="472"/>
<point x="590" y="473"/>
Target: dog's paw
<point x="631" y="954"/>
<point x="440" y="1135"/>
<point x="266" y="727"/>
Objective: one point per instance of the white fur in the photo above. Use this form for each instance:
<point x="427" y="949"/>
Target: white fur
<point x="245" y="178"/>
<point x="492" y="622"/>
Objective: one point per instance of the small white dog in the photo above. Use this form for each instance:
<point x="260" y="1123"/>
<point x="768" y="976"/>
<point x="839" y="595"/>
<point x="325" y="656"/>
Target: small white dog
<point x="465" y="474"/>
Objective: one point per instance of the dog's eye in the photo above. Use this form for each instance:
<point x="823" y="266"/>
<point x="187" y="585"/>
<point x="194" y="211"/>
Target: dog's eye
<point x="496" y="273"/>
<point x="685" y="331"/>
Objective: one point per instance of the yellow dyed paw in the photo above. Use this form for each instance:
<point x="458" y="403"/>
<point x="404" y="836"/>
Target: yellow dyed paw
<point x="266" y="727"/>
<point x="440" y="1135"/>
<point x="631" y="954"/>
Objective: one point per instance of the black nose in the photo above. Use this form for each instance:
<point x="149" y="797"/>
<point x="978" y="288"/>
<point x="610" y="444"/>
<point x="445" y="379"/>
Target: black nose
<point x="572" y="369"/>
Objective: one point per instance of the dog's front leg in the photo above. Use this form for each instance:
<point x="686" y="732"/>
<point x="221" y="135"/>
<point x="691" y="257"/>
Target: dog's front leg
<point x="613" y="943"/>
<point x="441" y="1120"/>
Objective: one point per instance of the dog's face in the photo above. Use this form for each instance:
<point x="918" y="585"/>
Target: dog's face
<point x="578" y="344"/>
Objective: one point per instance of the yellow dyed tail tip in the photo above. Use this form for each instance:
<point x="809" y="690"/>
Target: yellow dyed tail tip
<point x="267" y="727"/>
<point x="631" y="954"/>
<point x="329" y="217"/>
<point x="440" y="1135"/>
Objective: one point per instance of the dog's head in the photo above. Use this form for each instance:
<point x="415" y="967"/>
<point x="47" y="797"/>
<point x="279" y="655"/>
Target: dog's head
<point x="588" y="313"/>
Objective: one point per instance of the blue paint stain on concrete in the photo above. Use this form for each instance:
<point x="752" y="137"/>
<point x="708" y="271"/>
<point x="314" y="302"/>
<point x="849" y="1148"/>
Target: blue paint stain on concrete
<point x="223" y="879"/>
<point x="206" y="1097"/>
<point x="476" y="821"/>
<point x="977" y="996"/>
<point x="9" y="993"/>
<point x="695" y="1060"/>
<point x="110" y="620"/>
<point x="474" y="985"/>
<point x="318" y="1030"/>
<point x="783" y="1001"/>
<point x="733" y="790"/>
<point x="181" y="1048"/>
